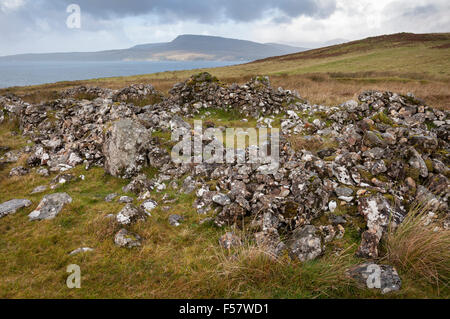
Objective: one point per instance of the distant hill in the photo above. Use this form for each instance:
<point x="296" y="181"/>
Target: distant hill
<point x="183" y="48"/>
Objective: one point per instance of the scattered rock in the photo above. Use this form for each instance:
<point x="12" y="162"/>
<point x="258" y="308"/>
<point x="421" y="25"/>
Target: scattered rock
<point x="10" y="207"/>
<point x="126" y="199"/>
<point x="221" y="199"/>
<point x="50" y="206"/>
<point x="110" y="197"/>
<point x="124" y="238"/>
<point x="18" y="171"/>
<point x="39" y="189"/>
<point x="130" y="214"/>
<point x="81" y="250"/>
<point x="175" y="220"/>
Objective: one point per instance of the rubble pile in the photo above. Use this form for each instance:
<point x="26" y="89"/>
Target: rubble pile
<point x="359" y="164"/>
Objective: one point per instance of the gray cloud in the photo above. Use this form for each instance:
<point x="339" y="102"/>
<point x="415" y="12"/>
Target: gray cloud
<point x="208" y="11"/>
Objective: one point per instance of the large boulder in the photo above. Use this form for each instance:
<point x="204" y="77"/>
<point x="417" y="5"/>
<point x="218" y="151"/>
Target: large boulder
<point x="126" y="146"/>
<point x="50" y="206"/>
<point x="10" y="207"/>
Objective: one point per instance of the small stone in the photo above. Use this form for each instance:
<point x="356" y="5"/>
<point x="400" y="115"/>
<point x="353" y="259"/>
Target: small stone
<point x="39" y="189"/>
<point x="175" y="220"/>
<point x="149" y="205"/>
<point x="18" y="171"/>
<point x="43" y="172"/>
<point x="126" y="199"/>
<point x="304" y="244"/>
<point x="344" y="191"/>
<point x="110" y="197"/>
<point x="332" y="206"/>
<point x="124" y="238"/>
<point x="80" y="250"/>
<point x="130" y="214"/>
<point x="221" y="199"/>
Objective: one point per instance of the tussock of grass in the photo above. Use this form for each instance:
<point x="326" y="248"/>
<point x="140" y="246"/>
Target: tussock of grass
<point x="418" y="250"/>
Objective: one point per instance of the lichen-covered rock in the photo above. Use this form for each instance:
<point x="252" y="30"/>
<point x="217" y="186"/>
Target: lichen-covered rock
<point x="304" y="244"/>
<point x="373" y="276"/>
<point x="18" y="171"/>
<point x="10" y="207"/>
<point x="149" y="205"/>
<point x="126" y="147"/>
<point x="378" y="212"/>
<point x="130" y="214"/>
<point x="50" y="206"/>
<point x="124" y="238"/>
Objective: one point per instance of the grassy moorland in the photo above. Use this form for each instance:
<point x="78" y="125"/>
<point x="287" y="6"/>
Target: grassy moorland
<point x="187" y="262"/>
<point x="418" y="63"/>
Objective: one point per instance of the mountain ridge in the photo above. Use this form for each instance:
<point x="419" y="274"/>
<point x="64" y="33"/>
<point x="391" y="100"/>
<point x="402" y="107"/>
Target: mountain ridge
<point x="183" y="48"/>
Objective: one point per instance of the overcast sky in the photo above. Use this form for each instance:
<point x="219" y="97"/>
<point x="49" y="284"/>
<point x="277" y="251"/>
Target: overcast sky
<point x="40" y="25"/>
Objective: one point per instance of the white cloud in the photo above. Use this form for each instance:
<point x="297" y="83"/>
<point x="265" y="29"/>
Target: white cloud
<point x="10" y="5"/>
<point x="26" y="29"/>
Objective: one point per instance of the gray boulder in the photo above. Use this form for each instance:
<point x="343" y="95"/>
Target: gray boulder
<point x="50" y="206"/>
<point x="10" y="207"/>
<point x="305" y="244"/>
<point x="126" y="147"/>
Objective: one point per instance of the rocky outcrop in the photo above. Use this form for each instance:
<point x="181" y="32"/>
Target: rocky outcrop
<point x="125" y="149"/>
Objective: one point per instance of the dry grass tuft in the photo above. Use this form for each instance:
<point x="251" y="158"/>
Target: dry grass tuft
<point x="417" y="249"/>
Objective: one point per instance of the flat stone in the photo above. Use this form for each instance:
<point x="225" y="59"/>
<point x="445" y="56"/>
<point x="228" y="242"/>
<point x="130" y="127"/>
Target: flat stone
<point x="10" y="207"/>
<point x="50" y="206"/>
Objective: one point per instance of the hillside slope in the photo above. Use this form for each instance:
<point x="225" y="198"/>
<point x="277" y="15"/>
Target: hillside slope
<point x="404" y="62"/>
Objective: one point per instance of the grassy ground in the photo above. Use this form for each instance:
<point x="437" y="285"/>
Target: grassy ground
<point x="186" y="262"/>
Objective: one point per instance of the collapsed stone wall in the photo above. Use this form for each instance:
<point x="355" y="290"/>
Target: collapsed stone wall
<point x="374" y="156"/>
